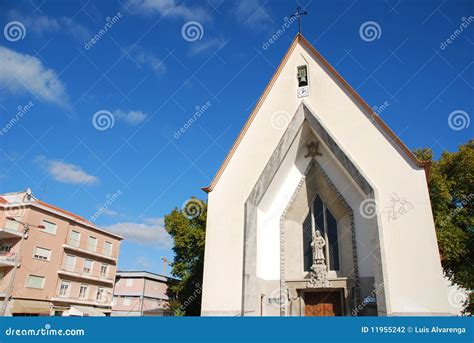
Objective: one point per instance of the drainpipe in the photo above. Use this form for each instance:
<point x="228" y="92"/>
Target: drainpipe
<point x="142" y="298"/>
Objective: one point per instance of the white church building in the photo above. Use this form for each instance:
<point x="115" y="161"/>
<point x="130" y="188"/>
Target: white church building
<point x="319" y="209"/>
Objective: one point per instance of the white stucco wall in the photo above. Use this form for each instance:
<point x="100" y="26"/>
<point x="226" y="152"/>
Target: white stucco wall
<point x="412" y="270"/>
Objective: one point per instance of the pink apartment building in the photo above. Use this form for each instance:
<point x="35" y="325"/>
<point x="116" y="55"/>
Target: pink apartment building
<point x="53" y="262"/>
<point x="139" y="293"/>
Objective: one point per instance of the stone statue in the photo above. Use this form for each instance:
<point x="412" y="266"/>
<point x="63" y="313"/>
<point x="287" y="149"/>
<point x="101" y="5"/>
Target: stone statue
<point x="318" y="244"/>
<point x="318" y="277"/>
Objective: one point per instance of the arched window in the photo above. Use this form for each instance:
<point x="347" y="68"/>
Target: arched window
<point x="320" y="218"/>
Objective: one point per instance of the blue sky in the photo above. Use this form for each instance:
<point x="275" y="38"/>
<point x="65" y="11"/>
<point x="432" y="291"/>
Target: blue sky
<point x="161" y="61"/>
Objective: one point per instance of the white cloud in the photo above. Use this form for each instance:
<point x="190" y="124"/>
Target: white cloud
<point x="254" y="14"/>
<point x="66" y="172"/>
<point x="24" y="73"/>
<point x="42" y="24"/>
<point x="169" y="8"/>
<point x="143" y="262"/>
<point x="147" y="59"/>
<point x="151" y="232"/>
<point x="205" y="45"/>
<point x="130" y="117"/>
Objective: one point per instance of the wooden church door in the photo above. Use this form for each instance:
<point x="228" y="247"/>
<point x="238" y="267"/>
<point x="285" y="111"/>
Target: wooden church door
<point x="323" y="304"/>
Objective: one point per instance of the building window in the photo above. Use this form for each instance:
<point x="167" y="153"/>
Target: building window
<point x="129" y="282"/>
<point x="320" y="218"/>
<point x="91" y="243"/>
<point x="108" y="248"/>
<point x="2" y="275"/>
<point x="127" y="301"/>
<point x="100" y="295"/>
<point x="88" y="266"/>
<point x="104" y="268"/>
<point x="42" y="254"/>
<point x="35" y="281"/>
<point x="49" y="227"/>
<point x="83" y="292"/>
<point x="302" y="76"/>
<point x="70" y="263"/>
<point x="74" y="238"/>
<point x="64" y="289"/>
<point x="13" y="224"/>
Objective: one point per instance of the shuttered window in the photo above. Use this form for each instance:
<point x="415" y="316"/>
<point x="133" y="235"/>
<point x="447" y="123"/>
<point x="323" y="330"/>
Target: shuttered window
<point x="35" y="281"/>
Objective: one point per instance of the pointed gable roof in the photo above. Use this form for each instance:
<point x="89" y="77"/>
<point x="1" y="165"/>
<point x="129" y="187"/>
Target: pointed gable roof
<point x="299" y="39"/>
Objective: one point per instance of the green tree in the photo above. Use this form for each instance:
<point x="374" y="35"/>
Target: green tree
<point x="187" y="227"/>
<point x="451" y="186"/>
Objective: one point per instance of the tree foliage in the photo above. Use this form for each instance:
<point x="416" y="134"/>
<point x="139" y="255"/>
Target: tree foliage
<point x="451" y="188"/>
<point x="187" y="227"/>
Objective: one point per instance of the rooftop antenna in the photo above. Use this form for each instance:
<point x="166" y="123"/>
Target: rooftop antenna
<point x="28" y="193"/>
<point x="42" y="192"/>
<point x="298" y="15"/>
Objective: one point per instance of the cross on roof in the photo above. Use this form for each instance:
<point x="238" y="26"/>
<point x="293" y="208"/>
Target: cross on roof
<point x="298" y="15"/>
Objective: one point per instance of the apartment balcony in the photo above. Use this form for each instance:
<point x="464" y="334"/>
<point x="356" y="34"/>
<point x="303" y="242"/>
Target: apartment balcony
<point x="10" y="232"/>
<point x="82" y="273"/>
<point x="82" y="301"/>
<point x="84" y="248"/>
<point x="8" y="259"/>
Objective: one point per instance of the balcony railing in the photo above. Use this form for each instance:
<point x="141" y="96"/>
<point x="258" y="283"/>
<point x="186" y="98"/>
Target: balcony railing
<point x="91" y="248"/>
<point x="8" y="229"/>
<point x="86" y="273"/>
<point x="89" y="300"/>
<point x="9" y="258"/>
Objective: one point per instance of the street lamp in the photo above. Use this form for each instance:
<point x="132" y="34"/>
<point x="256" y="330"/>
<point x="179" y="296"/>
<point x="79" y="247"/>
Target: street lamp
<point x="9" y="292"/>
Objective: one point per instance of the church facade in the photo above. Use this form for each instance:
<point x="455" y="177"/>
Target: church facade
<point x="319" y="208"/>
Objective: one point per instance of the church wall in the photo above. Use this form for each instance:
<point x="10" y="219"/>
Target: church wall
<point x="389" y="172"/>
<point x="408" y="248"/>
